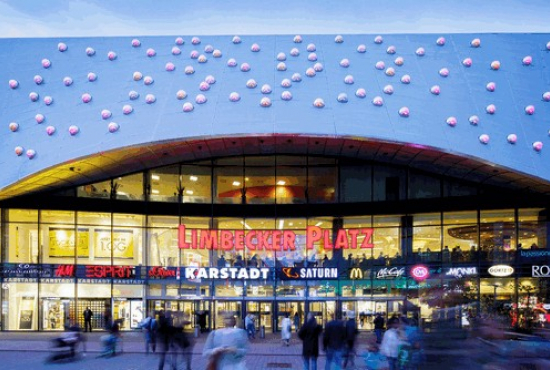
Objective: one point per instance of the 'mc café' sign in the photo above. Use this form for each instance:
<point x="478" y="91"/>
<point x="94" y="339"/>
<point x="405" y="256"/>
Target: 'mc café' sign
<point x="275" y="240"/>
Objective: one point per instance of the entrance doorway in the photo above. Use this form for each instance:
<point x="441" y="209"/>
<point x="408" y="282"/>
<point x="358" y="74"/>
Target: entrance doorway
<point x="263" y="312"/>
<point x="233" y="308"/>
<point x="323" y="311"/>
<point x="185" y="313"/>
<point x="291" y="308"/>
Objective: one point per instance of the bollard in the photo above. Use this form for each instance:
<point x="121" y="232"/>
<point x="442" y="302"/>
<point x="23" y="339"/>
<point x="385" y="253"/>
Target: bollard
<point x="262" y="332"/>
<point x="197" y="331"/>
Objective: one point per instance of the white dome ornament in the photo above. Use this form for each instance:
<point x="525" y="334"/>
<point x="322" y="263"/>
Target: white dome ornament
<point x="319" y="103"/>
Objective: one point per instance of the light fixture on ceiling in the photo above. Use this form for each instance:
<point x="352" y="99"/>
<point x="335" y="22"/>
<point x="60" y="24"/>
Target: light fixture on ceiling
<point x="319" y="223"/>
<point x="193" y="178"/>
<point x="246" y="225"/>
<point x="281" y="224"/>
<point x="236" y="183"/>
<point x="155" y="177"/>
<point x="155" y="191"/>
<point x="281" y="182"/>
<point x="190" y="192"/>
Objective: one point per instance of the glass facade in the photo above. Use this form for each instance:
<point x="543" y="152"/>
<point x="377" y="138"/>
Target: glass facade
<point x="426" y="260"/>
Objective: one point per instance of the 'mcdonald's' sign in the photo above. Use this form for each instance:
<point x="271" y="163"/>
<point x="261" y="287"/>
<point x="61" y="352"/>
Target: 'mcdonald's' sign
<point x="272" y="240"/>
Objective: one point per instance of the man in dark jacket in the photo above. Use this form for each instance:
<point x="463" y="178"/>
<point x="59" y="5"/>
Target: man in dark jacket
<point x="351" y="333"/>
<point x="88" y="314"/>
<point x="334" y="342"/>
<point x="309" y="334"/>
<point x="378" y="327"/>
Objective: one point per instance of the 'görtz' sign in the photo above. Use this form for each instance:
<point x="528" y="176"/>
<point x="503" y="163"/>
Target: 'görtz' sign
<point x="501" y="270"/>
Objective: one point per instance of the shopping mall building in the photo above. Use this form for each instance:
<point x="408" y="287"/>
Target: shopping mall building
<point x="274" y="175"/>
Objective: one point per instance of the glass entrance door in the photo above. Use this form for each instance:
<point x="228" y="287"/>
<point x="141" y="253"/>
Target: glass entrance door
<point x="233" y="308"/>
<point x="366" y="312"/>
<point x="323" y="311"/>
<point x="295" y="311"/>
<point x="263" y="312"/>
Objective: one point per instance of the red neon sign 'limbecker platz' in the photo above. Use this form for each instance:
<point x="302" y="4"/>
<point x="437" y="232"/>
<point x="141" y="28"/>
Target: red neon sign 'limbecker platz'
<point x="273" y="239"/>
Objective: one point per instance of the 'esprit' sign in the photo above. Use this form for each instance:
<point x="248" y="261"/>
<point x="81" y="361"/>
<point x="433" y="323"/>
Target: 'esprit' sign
<point x="273" y="239"/>
<point x="540" y="271"/>
<point x="117" y="272"/>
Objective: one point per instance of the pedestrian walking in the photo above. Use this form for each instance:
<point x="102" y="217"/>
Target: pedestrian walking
<point x="286" y="329"/>
<point x="164" y="332"/>
<point x="309" y="334"/>
<point x="249" y="326"/>
<point x="334" y="342"/>
<point x="181" y="345"/>
<point x="390" y="343"/>
<point x="88" y="314"/>
<point x="226" y="348"/>
<point x="149" y="326"/>
<point x="351" y="334"/>
<point x="296" y="321"/>
<point x="379" y="327"/>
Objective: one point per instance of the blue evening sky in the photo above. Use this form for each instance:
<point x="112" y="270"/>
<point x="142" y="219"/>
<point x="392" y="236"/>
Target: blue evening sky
<point x="65" y="18"/>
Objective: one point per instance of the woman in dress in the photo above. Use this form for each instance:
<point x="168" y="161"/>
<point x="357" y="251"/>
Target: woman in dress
<point x="226" y="348"/>
<point x="285" y="330"/>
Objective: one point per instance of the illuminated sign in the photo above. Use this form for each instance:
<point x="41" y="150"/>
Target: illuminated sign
<point x="501" y="270"/>
<point x="272" y="240"/>
<point x="541" y="271"/>
<point x="309" y="273"/>
<point x="389" y="273"/>
<point x="109" y="272"/>
<point x="461" y="271"/>
<point x="194" y="273"/>
<point x="356" y="274"/>
<point x="420" y="272"/>
<point x="162" y="272"/>
<point x="64" y="271"/>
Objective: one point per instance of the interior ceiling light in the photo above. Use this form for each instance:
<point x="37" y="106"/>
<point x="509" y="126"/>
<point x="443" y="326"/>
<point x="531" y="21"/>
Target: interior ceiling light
<point x="319" y="223"/>
<point x="246" y="225"/>
<point x="190" y="192"/>
<point x="193" y="178"/>
<point x="236" y="183"/>
<point x="155" y="177"/>
<point x="154" y="191"/>
<point x="281" y="224"/>
<point x="281" y="182"/>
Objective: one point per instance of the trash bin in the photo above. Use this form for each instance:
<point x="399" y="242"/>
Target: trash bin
<point x="262" y="331"/>
<point x="197" y="332"/>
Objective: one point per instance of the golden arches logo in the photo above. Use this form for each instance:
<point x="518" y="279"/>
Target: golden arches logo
<point x="356" y="274"/>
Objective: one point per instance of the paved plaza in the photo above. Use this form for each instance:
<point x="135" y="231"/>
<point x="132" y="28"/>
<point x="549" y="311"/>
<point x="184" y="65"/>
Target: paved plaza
<point x="29" y="350"/>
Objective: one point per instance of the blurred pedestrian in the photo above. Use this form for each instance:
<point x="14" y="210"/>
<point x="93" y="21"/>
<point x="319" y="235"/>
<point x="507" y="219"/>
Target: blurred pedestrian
<point x="296" y="321"/>
<point x="164" y="332"/>
<point x="249" y="326"/>
<point x="181" y="345"/>
<point x="149" y="326"/>
<point x="226" y="348"/>
<point x="391" y="342"/>
<point x="88" y="314"/>
<point x="379" y="327"/>
<point x="351" y="333"/>
<point x="334" y="342"/>
<point x="309" y="334"/>
<point x="286" y="328"/>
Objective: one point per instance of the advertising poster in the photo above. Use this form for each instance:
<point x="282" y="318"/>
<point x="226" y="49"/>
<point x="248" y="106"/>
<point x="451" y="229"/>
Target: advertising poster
<point x="26" y="310"/>
<point x="122" y="244"/>
<point x="62" y="241"/>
